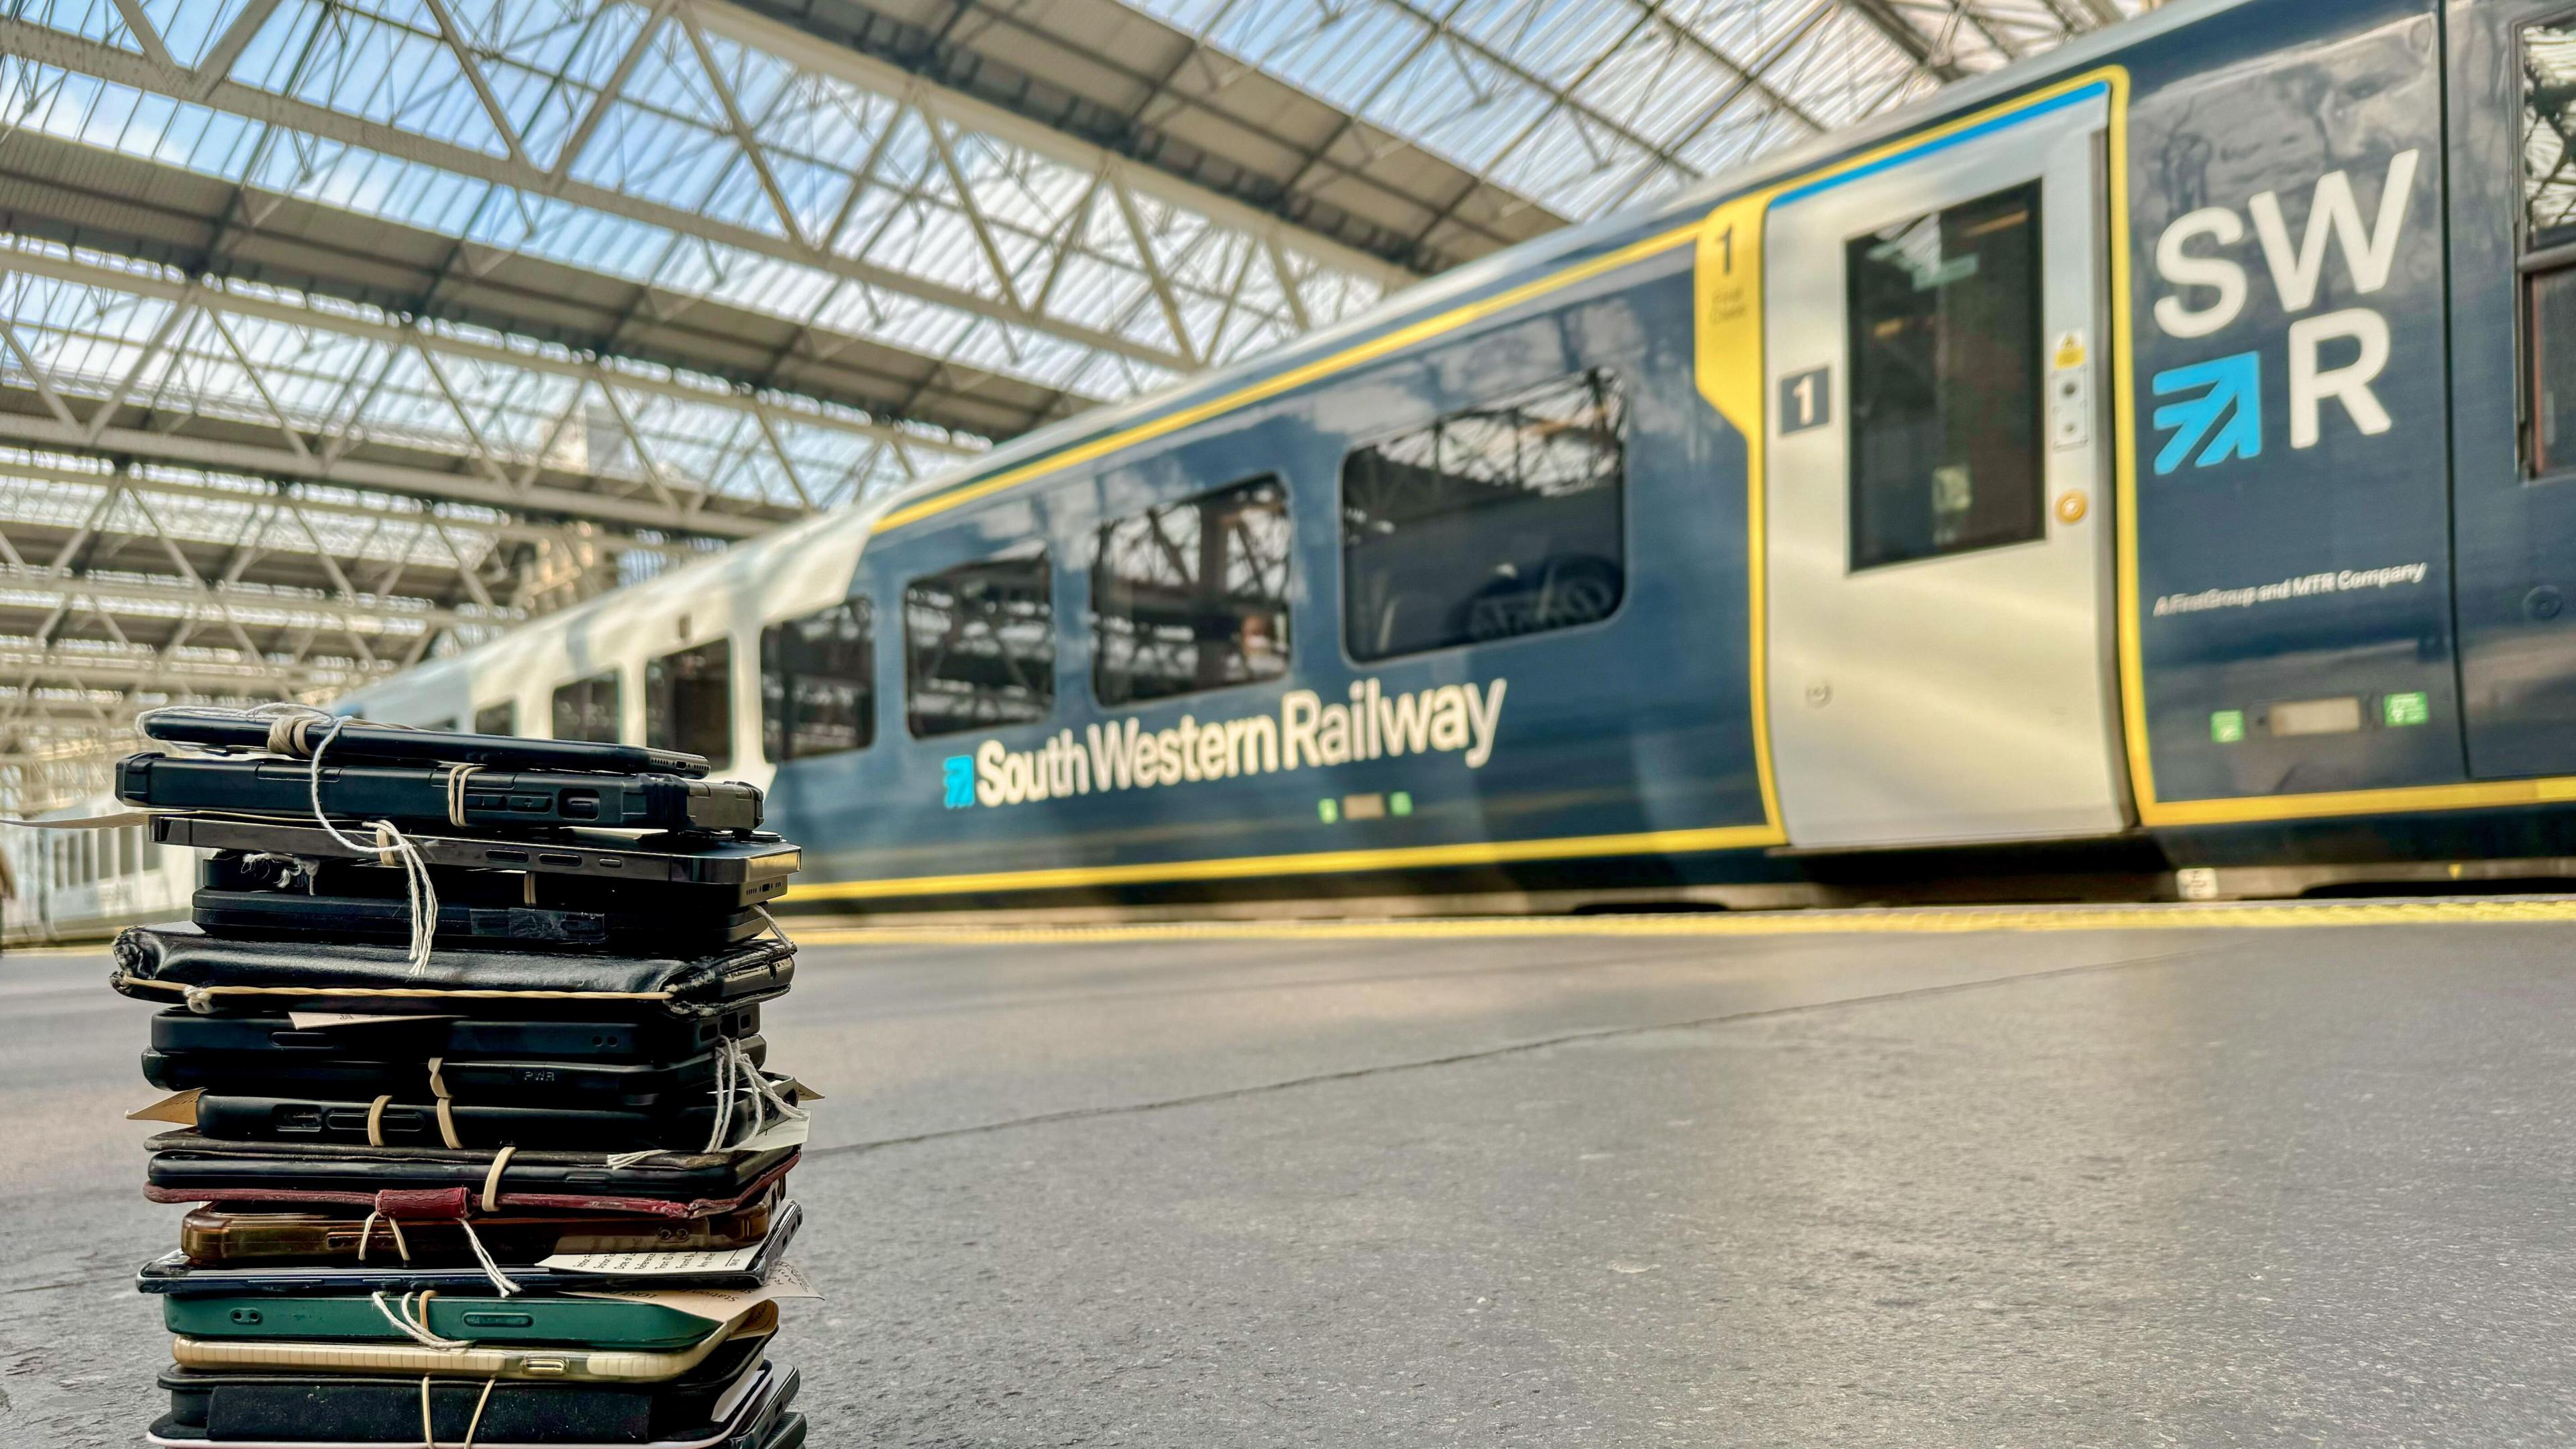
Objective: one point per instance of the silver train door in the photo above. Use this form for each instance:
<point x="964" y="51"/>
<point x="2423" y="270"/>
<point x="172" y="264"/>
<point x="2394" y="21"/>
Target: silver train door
<point x="1937" y="496"/>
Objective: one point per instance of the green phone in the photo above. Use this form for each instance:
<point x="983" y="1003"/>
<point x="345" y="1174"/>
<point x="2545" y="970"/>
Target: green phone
<point x="594" y="1322"/>
<point x="561" y="1365"/>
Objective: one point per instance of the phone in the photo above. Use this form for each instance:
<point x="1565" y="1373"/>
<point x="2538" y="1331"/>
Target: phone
<point x="653" y="1039"/>
<point x="590" y="1322"/>
<point x="744" y="870"/>
<point x="241" y="893"/>
<point x="359" y="740"/>
<point x="217" y="1238"/>
<point x="433" y="795"/>
<point x="238" y="1406"/>
<point x="180" y="965"/>
<point x="174" y="1275"/>
<point x="632" y="1086"/>
<point x="185" y="1167"/>
<point x="560" y="1365"/>
<point x="758" y="1417"/>
<point x="416" y="1124"/>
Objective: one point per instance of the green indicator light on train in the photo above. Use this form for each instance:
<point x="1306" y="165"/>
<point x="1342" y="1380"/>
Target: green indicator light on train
<point x="2227" y="726"/>
<point x="1399" y="803"/>
<point x="1328" y="810"/>
<point x="2399" y="710"/>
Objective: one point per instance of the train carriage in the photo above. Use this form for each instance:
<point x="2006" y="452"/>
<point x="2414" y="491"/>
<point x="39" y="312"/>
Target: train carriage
<point x="2151" y="456"/>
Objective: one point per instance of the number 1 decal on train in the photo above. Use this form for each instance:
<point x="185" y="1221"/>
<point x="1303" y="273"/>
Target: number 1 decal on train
<point x="2216" y="415"/>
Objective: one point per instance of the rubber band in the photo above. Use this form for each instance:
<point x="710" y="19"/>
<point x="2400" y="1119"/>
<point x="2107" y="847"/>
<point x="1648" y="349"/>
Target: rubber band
<point x="447" y="1126"/>
<point x="473" y="1425"/>
<point x="492" y="1179"/>
<point x="437" y="1082"/>
<point x="376" y="1121"/>
<point x="456" y="777"/>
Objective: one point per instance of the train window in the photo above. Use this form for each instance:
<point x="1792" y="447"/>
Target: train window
<point x="818" y="683"/>
<point x="979" y="644"/>
<point x="1945" y="382"/>
<point x="497" y="719"/>
<point x="129" y="851"/>
<point x="2548" y="257"/>
<point x="688" y="702"/>
<point x="1493" y="522"/>
<point x="588" y="709"/>
<point x="1192" y="595"/>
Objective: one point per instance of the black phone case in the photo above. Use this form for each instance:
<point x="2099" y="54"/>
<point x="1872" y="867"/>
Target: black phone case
<point x="495" y="1082"/>
<point x="179" y="1031"/>
<point x="188" y="1161"/>
<point x="522" y="928"/>
<point x="751" y="869"/>
<point x="359" y="740"/>
<point x="216" y="1407"/>
<point x="424" y="794"/>
<point x="181" y="965"/>
<point x="174" y="1275"/>
<point x="415" y="1124"/>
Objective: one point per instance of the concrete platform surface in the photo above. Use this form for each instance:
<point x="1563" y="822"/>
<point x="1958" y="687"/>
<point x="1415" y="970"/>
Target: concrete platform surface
<point x="2113" y="1185"/>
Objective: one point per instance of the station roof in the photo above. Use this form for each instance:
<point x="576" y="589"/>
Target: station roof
<point x="337" y="332"/>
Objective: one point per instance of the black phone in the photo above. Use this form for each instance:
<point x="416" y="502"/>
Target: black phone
<point x="743" y="869"/>
<point x="433" y="795"/>
<point x="179" y="1031"/>
<point x="414" y="1123"/>
<point x="487" y="1080"/>
<point x="734" y="1399"/>
<point x="359" y="740"/>
<point x="186" y="1163"/>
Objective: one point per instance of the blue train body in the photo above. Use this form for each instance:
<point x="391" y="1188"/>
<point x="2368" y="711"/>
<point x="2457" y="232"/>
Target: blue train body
<point x="2317" y="398"/>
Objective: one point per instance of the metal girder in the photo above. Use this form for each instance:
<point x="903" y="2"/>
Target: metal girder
<point x="1015" y="141"/>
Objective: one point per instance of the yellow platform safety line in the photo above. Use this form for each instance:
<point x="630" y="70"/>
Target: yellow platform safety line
<point x="1919" y="921"/>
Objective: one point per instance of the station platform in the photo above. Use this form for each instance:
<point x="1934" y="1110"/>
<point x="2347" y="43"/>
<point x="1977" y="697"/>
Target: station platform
<point x="2186" y="1174"/>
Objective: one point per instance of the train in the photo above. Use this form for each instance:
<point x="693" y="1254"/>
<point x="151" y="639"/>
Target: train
<point x="2150" y="467"/>
<point x="71" y="885"/>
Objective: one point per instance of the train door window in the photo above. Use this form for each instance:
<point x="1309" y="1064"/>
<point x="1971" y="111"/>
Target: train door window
<point x="129" y="851"/>
<point x="588" y="709"/>
<point x="979" y="644"/>
<point x="818" y="684"/>
<point x="688" y="702"/>
<point x="1945" y="382"/>
<point x="1494" y="522"/>
<point x="1192" y="595"/>
<point x="497" y="719"/>
<point x="2548" y="243"/>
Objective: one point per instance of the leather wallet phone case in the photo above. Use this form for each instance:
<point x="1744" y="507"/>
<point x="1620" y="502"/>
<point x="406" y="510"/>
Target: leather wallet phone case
<point x="182" y="964"/>
<point x="420" y="1182"/>
<point x="218" y="1238"/>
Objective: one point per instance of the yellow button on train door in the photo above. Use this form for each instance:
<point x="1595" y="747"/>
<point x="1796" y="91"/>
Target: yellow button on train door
<point x="2070" y="506"/>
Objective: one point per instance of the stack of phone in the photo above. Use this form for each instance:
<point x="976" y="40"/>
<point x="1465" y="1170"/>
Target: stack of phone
<point x="524" y="1186"/>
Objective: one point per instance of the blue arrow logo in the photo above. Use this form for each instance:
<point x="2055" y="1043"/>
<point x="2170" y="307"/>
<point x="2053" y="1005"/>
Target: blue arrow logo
<point x="2228" y="413"/>
<point x="957" y="778"/>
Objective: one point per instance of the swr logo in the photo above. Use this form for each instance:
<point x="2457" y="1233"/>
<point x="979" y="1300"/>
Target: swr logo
<point x="2219" y="411"/>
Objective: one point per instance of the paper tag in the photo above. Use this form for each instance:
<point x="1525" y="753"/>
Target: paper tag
<point x="797" y="1091"/>
<point x="785" y="1132"/>
<point x="179" y="1107"/>
<point x="325" y="1020"/>
<point x="89" y="822"/>
<point x="693" y="1260"/>
<point x="717" y="1305"/>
